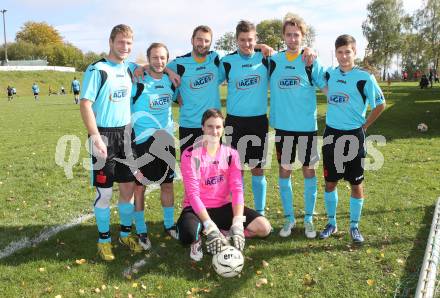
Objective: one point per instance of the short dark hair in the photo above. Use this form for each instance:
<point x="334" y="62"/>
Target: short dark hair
<point x="216" y="113"/>
<point x="155" y="45"/>
<point x="202" y="28"/>
<point x="244" y="26"/>
<point x="123" y="29"/>
<point x="344" y="40"/>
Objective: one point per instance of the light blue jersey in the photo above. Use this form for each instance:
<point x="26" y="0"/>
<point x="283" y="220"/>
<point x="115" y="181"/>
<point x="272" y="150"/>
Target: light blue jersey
<point x="349" y="94"/>
<point x="151" y="107"/>
<point x="293" y="93"/>
<point x="247" y="78"/>
<point x="108" y="86"/>
<point x="75" y="85"/>
<point x="198" y="88"/>
<point x="35" y="88"/>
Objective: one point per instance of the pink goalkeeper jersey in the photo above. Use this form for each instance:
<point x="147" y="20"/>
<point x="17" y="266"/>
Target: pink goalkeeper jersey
<point x="210" y="181"/>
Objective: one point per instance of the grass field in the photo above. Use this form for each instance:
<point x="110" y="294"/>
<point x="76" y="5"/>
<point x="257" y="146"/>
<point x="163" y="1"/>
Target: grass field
<point x="36" y="196"/>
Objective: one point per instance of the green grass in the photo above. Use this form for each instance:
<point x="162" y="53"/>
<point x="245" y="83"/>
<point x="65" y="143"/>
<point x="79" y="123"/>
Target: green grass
<point x="36" y="195"/>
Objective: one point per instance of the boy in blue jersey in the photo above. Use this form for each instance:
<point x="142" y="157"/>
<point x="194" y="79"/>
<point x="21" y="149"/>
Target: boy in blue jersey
<point x="35" y="90"/>
<point x="105" y="110"/>
<point x="246" y="72"/>
<point x="350" y="91"/>
<point x="153" y="126"/>
<point x="293" y="115"/>
<point x="75" y="88"/>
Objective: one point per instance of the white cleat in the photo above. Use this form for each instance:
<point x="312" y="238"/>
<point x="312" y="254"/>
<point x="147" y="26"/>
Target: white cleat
<point x="286" y="230"/>
<point x="196" y="252"/>
<point x="309" y="230"/>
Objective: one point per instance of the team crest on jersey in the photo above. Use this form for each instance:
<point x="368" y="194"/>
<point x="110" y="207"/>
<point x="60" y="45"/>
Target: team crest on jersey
<point x="119" y="94"/>
<point x="248" y="82"/>
<point x="202" y="81"/>
<point x="160" y="102"/>
<point x="289" y="82"/>
<point x="337" y="98"/>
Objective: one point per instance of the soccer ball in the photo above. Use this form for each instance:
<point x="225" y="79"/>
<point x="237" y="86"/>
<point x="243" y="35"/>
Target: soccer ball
<point x="422" y="127"/>
<point x="228" y="262"/>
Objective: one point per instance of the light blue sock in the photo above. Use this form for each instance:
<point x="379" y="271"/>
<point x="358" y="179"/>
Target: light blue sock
<point x="286" y="195"/>
<point x="331" y="202"/>
<point x="310" y="193"/>
<point x="125" y="216"/>
<point x="259" y="185"/>
<point x="139" y="221"/>
<point x="168" y="217"/>
<point x="102" y="216"/>
<point x="355" y="211"/>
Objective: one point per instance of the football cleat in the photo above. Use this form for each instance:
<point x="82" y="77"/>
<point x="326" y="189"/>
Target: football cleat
<point x="172" y="232"/>
<point x="105" y="251"/>
<point x="144" y="242"/>
<point x="132" y="242"/>
<point x="356" y="236"/>
<point x="309" y="230"/>
<point x="287" y="228"/>
<point x="196" y="252"/>
<point x="328" y="231"/>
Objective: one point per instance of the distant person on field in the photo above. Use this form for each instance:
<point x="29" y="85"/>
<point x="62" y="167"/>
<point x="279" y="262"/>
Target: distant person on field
<point x="431" y="77"/>
<point x="14" y="91"/>
<point x="10" y="93"/>
<point x="63" y="91"/>
<point x="35" y="90"/>
<point x="424" y="82"/>
<point x="75" y="88"/>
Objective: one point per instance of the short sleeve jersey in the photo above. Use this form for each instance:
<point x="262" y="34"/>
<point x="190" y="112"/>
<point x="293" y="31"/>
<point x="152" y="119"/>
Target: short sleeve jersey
<point x="75" y="85"/>
<point x="293" y="93"/>
<point x="35" y="88"/>
<point x="349" y="95"/>
<point x="108" y="86"/>
<point x="247" y="78"/>
<point x="199" y="87"/>
<point x="151" y="107"/>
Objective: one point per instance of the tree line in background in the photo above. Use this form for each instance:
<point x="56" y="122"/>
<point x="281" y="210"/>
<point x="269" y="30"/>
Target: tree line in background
<point x="412" y="40"/>
<point x="39" y="40"/>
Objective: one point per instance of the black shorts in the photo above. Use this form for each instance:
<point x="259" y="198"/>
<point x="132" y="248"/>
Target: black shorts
<point x="190" y="226"/>
<point x="35" y="94"/>
<point x="75" y="92"/>
<point x="286" y="143"/>
<point x="188" y="136"/>
<point x="343" y="156"/>
<point x="249" y="137"/>
<point x="156" y="158"/>
<point x="108" y="171"/>
<point x="10" y="93"/>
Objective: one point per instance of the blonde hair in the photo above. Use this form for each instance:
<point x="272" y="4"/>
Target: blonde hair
<point x="122" y="29"/>
<point x="292" y="19"/>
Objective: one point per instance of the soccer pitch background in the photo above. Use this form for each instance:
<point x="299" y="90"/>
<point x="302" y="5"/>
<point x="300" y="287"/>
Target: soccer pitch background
<point x="36" y="196"/>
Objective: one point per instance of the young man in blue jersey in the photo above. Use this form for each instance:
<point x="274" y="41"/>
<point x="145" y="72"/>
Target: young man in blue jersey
<point x="35" y="90"/>
<point x="153" y="125"/>
<point x="350" y="91"/>
<point x="105" y="110"/>
<point x="75" y="88"/>
<point x="246" y="72"/>
<point x="293" y="115"/>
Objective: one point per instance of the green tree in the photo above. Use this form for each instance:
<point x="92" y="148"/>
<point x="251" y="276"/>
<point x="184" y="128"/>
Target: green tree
<point x="226" y="42"/>
<point x="383" y="30"/>
<point x="309" y="38"/>
<point x="270" y="33"/>
<point x="427" y="22"/>
<point x="39" y="34"/>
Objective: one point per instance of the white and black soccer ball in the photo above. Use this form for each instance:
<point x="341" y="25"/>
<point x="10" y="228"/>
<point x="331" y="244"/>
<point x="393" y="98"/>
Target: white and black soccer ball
<point x="422" y="127"/>
<point x="228" y="262"/>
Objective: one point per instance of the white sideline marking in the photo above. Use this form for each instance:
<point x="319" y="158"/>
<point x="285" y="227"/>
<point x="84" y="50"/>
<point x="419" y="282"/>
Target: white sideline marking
<point x="47" y="233"/>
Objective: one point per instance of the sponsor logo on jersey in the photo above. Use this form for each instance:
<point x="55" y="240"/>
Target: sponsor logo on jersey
<point x="342" y="81"/>
<point x="201" y="81"/>
<point x="290" y="67"/>
<point x="214" y="180"/>
<point x="200" y="68"/>
<point x="159" y="87"/>
<point x="289" y="82"/>
<point x="160" y="102"/>
<point x="248" y="82"/>
<point x="119" y="94"/>
<point x="120" y="76"/>
<point x="337" y="98"/>
<point x="246" y="65"/>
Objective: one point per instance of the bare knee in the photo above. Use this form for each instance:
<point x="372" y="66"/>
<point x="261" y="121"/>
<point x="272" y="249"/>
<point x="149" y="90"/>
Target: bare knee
<point x="259" y="227"/>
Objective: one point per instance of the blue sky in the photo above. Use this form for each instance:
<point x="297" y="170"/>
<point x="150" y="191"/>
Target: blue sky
<point x="87" y="23"/>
